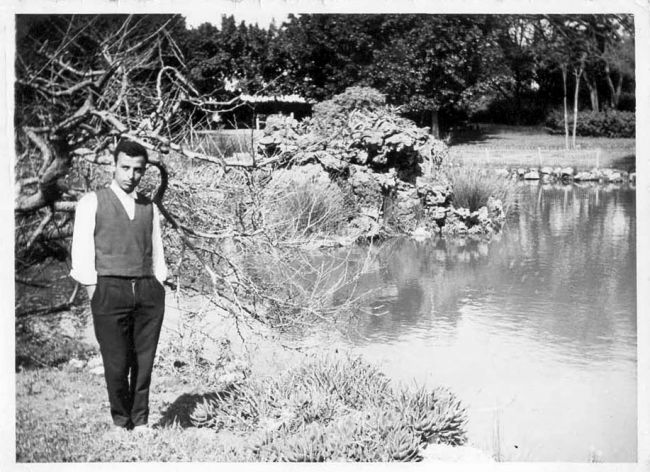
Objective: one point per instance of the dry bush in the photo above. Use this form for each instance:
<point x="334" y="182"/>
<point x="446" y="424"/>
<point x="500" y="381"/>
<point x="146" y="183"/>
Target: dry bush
<point x="302" y="203"/>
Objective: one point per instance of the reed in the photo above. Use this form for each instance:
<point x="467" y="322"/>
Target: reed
<point x="473" y="186"/>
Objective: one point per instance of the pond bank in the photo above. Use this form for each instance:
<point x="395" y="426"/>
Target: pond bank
<point x="200" y="354"/>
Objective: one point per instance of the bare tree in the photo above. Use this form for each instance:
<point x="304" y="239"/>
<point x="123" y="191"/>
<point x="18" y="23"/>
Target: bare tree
<point x="83" y="82"/>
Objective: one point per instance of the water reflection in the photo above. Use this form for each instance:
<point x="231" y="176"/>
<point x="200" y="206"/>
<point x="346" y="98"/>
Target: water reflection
<point x="538" y="326"/>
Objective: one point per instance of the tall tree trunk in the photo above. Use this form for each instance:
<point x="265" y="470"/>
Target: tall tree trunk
<point x="619" y="88"/>
<point x="577" y="75"/>
<point x="566" y="107"/>
<point x="593" y="93"/>
<point x="615" y="92"/>
<point x="435" y="125"/>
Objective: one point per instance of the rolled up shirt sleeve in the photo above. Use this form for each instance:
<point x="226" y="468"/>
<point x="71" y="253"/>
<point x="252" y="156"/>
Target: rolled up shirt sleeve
<point x="83" y="241"/>
<point x="157" y="251"/>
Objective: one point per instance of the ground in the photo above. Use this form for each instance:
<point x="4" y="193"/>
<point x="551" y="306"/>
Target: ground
<point x="57" y="410"/>
<point x="527" y="146"/>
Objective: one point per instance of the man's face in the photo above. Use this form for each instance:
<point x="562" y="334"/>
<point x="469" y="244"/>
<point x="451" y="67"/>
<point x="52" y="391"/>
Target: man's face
<point x="128" y="171"/>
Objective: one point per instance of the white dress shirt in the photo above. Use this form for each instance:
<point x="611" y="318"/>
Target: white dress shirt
<point x="83" y="239"/>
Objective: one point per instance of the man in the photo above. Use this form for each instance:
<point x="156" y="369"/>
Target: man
<point x="117" y="254"/>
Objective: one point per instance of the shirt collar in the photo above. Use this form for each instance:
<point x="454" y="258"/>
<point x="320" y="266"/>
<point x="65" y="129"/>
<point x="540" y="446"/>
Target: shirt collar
<point x="121" y="193"/>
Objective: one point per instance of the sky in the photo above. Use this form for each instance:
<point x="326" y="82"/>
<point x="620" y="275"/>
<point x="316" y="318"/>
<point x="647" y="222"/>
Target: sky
<point x="262" y="18"/>
<point x="249" y="11"/>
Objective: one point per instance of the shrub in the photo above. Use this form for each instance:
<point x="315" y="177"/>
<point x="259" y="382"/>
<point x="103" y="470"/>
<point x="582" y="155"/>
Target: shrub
<point x="473" y="186"/>
<point x="609" y="123"/>
<point x="336" y="409"/>
<point x="302" y="202"/>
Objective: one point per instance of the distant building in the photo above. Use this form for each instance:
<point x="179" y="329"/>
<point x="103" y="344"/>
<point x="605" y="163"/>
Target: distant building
<point x="262" y="106"/>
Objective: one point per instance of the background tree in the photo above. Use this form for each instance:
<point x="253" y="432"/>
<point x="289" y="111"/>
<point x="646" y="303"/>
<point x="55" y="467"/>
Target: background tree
<point x="322" y="55"/>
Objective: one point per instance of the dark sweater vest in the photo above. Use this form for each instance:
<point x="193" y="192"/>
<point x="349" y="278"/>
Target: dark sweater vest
<point x="122" y="245"/>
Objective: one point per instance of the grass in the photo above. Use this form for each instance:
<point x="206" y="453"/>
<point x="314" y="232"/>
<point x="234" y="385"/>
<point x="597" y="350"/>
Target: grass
<point x="527" y="146"/>
<point x="62" y="416"/>
<point x="323" y="409"/>
<point x="224" y="142"/>
<point x="474" y="185"/>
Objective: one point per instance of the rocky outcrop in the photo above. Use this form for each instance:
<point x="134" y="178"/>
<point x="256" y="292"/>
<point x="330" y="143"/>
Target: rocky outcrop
<point x="385" y="166"/>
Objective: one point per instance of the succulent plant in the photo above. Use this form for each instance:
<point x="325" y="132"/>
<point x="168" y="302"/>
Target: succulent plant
<point x="334" y="409"/>
<point x="402" y="444"/>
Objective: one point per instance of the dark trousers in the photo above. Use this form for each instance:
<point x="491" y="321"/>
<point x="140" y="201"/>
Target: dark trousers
<point x="128" y="315"/>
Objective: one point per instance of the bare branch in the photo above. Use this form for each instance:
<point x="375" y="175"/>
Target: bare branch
<point x="69" y="68"/>
<point x="39" y="230"/>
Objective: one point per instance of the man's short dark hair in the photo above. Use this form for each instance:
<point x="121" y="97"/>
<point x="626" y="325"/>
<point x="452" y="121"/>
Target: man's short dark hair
<point x="130" y="148"/>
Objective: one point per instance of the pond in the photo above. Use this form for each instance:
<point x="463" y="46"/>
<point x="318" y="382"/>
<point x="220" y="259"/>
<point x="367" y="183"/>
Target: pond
<point x="534" y="331"/>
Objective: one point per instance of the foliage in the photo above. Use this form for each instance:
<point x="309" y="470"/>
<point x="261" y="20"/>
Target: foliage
<point x="228" y="59"/>
<point x="447" y="62"/>
<point x="333" y="409"/>
<point x="430" y="61"/>
<point x="322" y="55"/>
<point x="473" y="186"/>
<point x="608" y="123"/>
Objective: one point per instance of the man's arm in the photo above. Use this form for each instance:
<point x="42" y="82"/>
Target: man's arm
<point x="157" y="251"/>
<point x="83" y="244"/>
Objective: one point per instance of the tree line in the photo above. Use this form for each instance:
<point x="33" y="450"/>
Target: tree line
<point x="511" y="68"/>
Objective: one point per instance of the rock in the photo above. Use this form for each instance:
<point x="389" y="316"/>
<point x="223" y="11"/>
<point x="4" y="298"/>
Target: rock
<point x="446" y="453"/>
<point x="95" y="362"/>
<point x="366" y="188"/>
<point x="615" y="177"/>
<point x="387" y="181"/>
<point x="76" y="364"/>
<point x="531" y="175"/>
<point x="97" y="370"/>
<point x="567" y="172"/>
<point x="453" y="226"/>
<point x="363" y="227"/>
<point x="437" y="213"/>
<point x="585" y="177"/>
<point x="495" y="208"/>
<point x="380" y="160"/>
<point x="361" y="157"/>
<point x="482" y="215"/>
<point x="266" y="140"/>
<point x="405" y="209"/>
<point x="331" y="163"/>
<point x="462" y="213"/>
<point x="421" y="234"/>
<point x="370" y="212"/>
<point x="432" y="193"/>
<point x="67" y="327"/>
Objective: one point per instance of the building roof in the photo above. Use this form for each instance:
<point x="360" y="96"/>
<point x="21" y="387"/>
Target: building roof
<point x="293" y="98"/>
